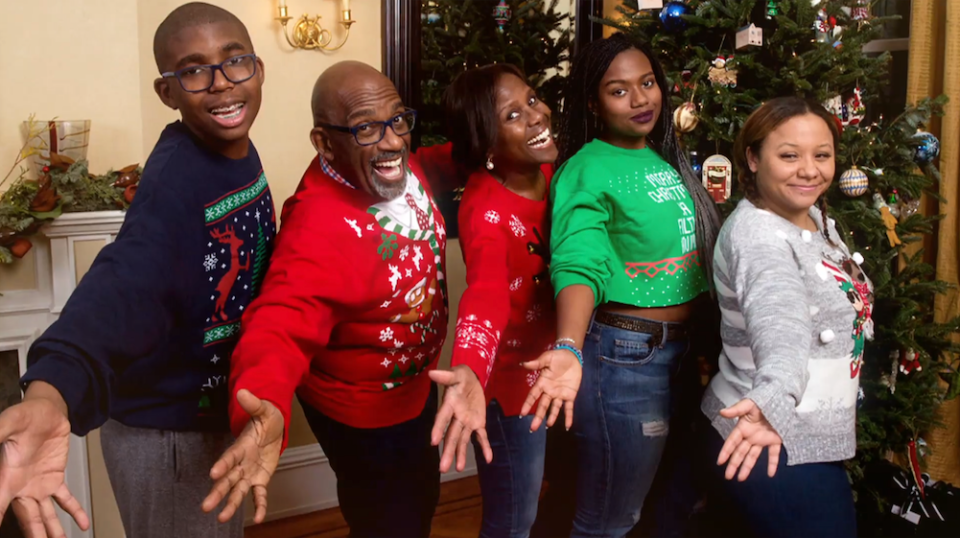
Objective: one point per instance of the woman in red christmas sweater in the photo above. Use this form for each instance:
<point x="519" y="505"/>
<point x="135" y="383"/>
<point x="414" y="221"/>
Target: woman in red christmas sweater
<point x="506" y="316"/>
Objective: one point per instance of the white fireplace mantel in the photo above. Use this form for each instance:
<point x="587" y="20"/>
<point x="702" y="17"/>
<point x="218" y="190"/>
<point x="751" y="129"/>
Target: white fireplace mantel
<point x="66" y="230"/>
<point x="25" y="314"/>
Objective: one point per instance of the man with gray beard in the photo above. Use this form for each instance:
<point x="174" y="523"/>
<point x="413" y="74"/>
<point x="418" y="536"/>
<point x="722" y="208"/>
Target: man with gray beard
<point x="352" y="316"/>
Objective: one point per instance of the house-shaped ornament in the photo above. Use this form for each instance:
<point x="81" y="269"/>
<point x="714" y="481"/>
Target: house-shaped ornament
<point x="749" y="36"/>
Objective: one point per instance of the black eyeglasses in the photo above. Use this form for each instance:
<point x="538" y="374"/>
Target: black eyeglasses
<point x="199" y="78"/>
<point x="370" y="133"/>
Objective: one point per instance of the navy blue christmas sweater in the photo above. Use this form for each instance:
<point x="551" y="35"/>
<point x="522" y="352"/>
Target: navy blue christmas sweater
<point x="146" y="337"/>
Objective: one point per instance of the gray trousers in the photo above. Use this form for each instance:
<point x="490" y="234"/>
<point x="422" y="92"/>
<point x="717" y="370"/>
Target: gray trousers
<point x="161" y="477"/>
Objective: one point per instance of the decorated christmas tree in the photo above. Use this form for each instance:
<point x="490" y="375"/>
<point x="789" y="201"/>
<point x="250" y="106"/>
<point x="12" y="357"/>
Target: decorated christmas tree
<point x="725" y="58"/>
<point x="462" y="34"/>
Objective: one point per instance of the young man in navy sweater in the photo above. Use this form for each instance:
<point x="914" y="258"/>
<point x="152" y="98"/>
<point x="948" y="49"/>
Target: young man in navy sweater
<point x="142" y="348"/>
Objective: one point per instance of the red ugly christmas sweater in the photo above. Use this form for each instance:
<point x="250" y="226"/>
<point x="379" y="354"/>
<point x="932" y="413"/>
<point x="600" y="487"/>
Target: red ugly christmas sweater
<point x="352" y="312"/>
<point x="506" y="315"/>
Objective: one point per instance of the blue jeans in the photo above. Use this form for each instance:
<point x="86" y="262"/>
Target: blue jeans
<point x="510" y="484"/>
<point x="621" y="421"/>
<point x="811" y="499"/>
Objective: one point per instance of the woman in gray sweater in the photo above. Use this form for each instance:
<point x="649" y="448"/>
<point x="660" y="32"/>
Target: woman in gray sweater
<point x="795" y="311"/>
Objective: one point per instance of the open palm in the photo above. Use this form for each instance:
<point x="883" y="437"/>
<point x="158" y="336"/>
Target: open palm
<point x="746" y="442"/>
<point x="35" y="439"/>
<point x="250" y="462"/>
<point x="556" y="387"/>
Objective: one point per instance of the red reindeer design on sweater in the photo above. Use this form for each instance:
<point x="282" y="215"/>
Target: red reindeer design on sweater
<point x="226" y="282"/>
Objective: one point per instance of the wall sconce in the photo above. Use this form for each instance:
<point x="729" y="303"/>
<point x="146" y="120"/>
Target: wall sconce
<point x="308" y="34"/>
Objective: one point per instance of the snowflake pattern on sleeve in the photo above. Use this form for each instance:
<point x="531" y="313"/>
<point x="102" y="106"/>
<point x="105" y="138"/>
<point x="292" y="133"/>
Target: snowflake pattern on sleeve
<point x="516" y="225"/>
<point x="480" y="337"/>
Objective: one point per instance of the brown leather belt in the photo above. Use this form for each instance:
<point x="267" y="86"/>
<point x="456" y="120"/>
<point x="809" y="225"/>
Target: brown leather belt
<point x="675" y="331"/>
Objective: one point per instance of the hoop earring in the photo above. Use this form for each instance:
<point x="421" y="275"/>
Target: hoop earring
<point x="489" y="164"/>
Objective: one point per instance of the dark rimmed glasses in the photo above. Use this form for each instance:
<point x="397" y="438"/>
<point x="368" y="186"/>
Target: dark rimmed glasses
<point x="370" y="133"/>
<point x="199" y="78"/>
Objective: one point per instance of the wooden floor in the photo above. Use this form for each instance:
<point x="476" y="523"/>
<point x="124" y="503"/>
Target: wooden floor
<point x="458" y="516"/>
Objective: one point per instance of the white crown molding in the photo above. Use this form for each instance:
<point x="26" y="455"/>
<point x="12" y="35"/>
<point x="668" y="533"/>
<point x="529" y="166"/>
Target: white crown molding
<point x="86" y="223"/>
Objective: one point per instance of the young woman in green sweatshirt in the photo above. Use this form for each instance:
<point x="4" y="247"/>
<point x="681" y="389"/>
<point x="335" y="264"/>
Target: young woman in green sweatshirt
<point x="631" y="250"/>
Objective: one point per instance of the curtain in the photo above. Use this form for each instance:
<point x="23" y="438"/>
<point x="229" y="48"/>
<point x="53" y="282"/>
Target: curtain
<point x="934" y="68"/>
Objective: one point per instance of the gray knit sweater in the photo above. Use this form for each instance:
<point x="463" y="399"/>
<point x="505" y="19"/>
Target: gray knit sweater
<point x="795" y="313"/>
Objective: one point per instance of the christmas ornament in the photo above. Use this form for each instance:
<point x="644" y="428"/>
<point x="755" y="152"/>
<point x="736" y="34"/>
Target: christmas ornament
<point x="854" y="182"/>
<point x="501" y="14"/>
<point x="695" y="163"/>
<point x="862" y="10"/>
<point x="915" y="467"/>
<point x="928" y="147"/>
<point x="771" y="10"/>
<point x="894" y="204"/>
<point x="685" y="117"/>
<point x="821" y="26"/>
<point x="749" y="36"/>
<point x="686" y="77"/>
<point x="826" y="29"/>
<point x="670" y="16"/>
<point x="909" y="361"/>
<point x="853" y="110"/>
<point x="889" y="221"/>
<point x="721" y="73"/>
<point x="909" y="209"/>
<point x="834" y="106"/>
<point x="718" y="177"/>
<point x="890" y="380"/>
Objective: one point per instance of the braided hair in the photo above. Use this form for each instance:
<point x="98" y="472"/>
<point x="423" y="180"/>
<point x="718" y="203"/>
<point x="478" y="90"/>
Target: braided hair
<point x="579" y="125"/>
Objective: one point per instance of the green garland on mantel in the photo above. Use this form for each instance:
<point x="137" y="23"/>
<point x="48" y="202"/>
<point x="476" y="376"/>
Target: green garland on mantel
<point x="66" y="186"/>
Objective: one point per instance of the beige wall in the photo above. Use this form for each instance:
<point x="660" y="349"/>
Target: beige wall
<point x="72" y="59"/>
<point x="281" y="132"/>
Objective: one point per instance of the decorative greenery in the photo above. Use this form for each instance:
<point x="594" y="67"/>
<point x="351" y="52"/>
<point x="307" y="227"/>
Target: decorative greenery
<point x="66" y="187"/>
<point x="462" y="34"/>
<point x="794" y="59"/>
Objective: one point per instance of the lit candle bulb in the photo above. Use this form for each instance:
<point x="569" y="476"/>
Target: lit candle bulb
<point x="345" y="5"/>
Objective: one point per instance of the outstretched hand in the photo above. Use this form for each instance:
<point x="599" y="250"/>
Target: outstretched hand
<point x="250" y="462"/>
<point x="462" y="413"/>
<point x="35" y="437"/>
<point x="557" y="386"/>
<point x="747" y="441"/>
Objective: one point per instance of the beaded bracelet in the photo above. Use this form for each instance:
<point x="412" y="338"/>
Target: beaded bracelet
<point x="576" y="352"/>
<point x="570" y="341"/>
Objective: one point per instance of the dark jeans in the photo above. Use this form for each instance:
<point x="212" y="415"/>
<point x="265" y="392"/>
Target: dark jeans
<point x="679" y="487"/>
<point x="510" y="484"/>
<point x="810" y="499"/>
<point x="388" y="479"/>
<point x="621" y="422"/>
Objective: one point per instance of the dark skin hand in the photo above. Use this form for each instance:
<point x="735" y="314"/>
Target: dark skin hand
<point x="35" y="437"/>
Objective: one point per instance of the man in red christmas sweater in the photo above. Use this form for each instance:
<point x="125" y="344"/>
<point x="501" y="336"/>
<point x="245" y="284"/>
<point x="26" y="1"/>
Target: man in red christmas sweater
<point x="352" y="315"/>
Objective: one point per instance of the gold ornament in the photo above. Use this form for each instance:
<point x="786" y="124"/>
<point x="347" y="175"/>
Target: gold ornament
<point x="685" y="117"/>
